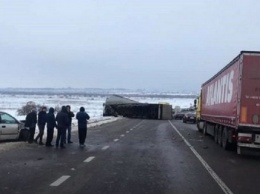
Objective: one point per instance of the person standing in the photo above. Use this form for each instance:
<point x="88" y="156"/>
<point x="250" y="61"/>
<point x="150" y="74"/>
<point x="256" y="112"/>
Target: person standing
<point x="51" y="123"/>
<point x="82" y="118"/>
<point x="30" y="122"/>
<point x="41" y="125"/>
<point x="70" y="115"/>
<point x="62" y="124"/>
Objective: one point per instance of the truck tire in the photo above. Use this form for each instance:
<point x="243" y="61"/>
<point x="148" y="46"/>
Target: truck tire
<point x="199" y="123"/>
<point x="225" y="143"/>
<point x="220" y="136"/>
<point x="216" y="134"/>
<point x="239" y="152"/>
<point x="205" y="128"/>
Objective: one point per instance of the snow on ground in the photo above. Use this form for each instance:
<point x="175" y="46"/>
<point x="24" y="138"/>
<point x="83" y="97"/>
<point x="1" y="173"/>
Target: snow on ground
<point x="9" y="145"/>
<point x="92" y="104"/>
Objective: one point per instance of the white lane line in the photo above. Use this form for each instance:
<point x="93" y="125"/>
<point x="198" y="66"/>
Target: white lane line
<point x="89" y="159"/>
<point x="122" y="135"/>
<point x="115" y="140"/>
<point x="137" y="125"/>
<point x="222" y="185"/>
<point x="59" y="181"/>
<point x="131" y="129"/>
<point x="127" y="131"/>
<point x="105" y="147"/>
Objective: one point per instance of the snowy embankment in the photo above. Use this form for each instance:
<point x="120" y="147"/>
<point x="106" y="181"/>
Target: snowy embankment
<point x="5" y="146"/>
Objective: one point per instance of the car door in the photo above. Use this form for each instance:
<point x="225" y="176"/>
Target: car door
<point x="9" y="127"/>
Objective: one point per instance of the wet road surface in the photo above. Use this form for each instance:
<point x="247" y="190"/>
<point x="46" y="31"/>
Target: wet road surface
<point x="130" y="156"/>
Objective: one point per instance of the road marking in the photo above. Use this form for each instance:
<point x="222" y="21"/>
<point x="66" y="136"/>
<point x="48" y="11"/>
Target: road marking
<point x="222" y="185"/>
<point x="122" y="135"/>
<point x="105" y="147"/>
<point x="137" y="125"/>
<point x="127" y="131"/>
<point x="59" y="181"/>
<point x="115" y="140"/>
<point x="89" y="159"/>
<point x="131" y="129"/>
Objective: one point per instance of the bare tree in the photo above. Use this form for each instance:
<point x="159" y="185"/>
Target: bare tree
<point x="24" y="110"/>
<point x="57" y="108"/>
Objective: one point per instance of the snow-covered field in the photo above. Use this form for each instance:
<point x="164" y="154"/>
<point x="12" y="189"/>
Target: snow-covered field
<point x="93" y="104"/>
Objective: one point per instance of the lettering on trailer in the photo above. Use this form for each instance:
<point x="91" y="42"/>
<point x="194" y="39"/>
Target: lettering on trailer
<point x="221" y="91"/>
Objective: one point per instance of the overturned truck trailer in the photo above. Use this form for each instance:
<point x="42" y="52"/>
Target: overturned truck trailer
<point x="119" y="106"/>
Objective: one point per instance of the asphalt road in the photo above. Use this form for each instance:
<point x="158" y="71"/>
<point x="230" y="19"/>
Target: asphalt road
<point x="130" y="156"/>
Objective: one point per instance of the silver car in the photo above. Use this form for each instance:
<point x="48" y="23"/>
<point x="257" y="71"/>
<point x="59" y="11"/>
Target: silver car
<point x="11" y="128"/>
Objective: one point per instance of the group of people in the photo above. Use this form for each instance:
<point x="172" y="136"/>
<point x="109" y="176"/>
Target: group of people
<point x="62" y="122"/>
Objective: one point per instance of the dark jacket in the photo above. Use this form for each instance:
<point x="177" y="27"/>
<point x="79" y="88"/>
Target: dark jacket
<point x="70" y="115"/>
<point x="51" y="123"/>
<point x="62" y="118"/>
<point x="82" y="118"/>
<point x="31" y="119"/>
<point x="42" y="118"/>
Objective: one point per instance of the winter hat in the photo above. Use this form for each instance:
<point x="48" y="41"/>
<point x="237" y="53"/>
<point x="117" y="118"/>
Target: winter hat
<point x="51" y="110"/>
<point x="63" y="109"/>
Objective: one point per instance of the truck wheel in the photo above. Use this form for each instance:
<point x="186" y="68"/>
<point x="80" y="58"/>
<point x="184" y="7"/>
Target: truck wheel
<point x="225" y="143"/>
<point x="220" y="136"/>
<point x="216" y="134"/>
<point x="198" y="126"/>
<point x="239" y="150"/>
<point x="205" y="128"/>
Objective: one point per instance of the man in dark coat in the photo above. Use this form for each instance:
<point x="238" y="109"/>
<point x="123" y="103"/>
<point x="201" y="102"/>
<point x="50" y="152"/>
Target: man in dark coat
<point x="70" y="115"/>
<point x="41" y="124"/>
<point x="30" y="122"/>
<point x="62" y="124"/>
<point x="82" y="118"/>
<point x="51" y="123"/>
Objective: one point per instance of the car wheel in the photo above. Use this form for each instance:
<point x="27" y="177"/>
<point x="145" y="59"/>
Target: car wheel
<point x="24" y="135"/>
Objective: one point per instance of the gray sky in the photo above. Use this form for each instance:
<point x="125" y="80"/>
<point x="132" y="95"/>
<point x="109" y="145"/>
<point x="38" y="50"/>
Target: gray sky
<point x="164" y="44"/>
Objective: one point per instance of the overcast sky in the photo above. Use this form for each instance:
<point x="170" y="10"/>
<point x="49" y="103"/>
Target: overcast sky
<point x="164" y="44"/>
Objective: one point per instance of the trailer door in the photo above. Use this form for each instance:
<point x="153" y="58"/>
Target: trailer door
<point x="250" y="90"/>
